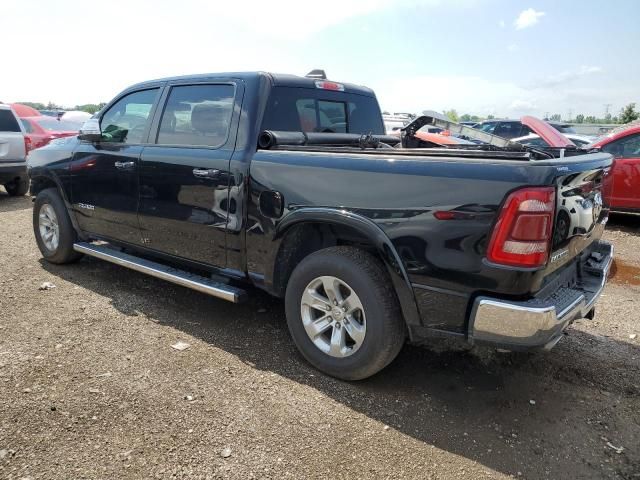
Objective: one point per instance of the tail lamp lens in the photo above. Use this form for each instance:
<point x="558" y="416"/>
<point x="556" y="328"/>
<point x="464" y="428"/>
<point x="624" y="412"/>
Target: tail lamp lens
<point x="28" y="145"/>
<point x="522" y="234"/>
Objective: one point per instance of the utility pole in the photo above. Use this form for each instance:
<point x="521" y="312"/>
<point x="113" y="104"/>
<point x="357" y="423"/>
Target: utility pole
<point x="606" y="109"/>
<point x="570" y="115"/>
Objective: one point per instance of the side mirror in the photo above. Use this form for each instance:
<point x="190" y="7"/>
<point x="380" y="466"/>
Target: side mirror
<point x="90" y="130"/>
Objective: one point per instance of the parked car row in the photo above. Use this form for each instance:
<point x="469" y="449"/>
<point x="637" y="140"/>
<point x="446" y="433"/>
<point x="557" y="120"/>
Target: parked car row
<point x="22" y="129"/>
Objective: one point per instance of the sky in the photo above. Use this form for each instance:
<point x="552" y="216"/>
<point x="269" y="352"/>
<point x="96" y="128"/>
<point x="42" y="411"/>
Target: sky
<point x="500" y="57"/>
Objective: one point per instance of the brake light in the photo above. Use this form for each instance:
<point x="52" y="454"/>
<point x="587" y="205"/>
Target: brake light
<point x="28" y="146"/>
<point x="522" y="234"/>
<point x="324" y="85"/>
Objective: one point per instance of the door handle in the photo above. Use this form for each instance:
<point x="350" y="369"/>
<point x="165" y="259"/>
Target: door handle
<point x="206" y="172"/>
<point x="125" y="165"/>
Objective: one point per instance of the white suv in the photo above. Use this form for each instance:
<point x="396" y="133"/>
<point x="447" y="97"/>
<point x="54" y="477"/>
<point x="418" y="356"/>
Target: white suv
<point x="13" y="150"/>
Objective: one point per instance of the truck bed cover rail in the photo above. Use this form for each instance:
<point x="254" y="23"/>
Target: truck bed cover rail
<point x="272" y="138"/>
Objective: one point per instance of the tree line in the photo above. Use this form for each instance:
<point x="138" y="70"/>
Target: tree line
<point x="626" y="115"/>
<point x="87" y="107"/>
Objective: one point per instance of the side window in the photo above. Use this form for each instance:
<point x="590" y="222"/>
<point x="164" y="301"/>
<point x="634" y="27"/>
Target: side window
<point x="631" y="147"/>
<point x="627" y="147"/>
<point x="27" y="125"/>
<point x="127" y="120"/>
<point x="197" y="115"/>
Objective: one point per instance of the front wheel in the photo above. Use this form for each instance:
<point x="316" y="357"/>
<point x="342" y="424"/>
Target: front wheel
<point x="52" y="227"/>
<point x="343" y="314"/>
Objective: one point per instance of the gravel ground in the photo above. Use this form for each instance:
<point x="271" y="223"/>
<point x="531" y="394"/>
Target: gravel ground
<point x="91" y="388"/>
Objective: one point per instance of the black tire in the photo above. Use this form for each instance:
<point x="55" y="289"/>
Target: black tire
<point x="17" y="188"/>
<point x="67" y="235"/>
<point x="367" y="277"/>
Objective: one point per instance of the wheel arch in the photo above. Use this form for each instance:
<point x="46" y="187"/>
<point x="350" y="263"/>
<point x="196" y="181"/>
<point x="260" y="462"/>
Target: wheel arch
<point x="41" y="182"/>
<point x="295" y="240"/>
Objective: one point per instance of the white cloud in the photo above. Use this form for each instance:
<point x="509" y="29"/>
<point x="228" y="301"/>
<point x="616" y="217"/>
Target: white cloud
<point x="482" y="96"/>
<point x="567" y="76"/>
<point x="206" y="36"/>
<point x="286" y="19"/>
<point x="513" y="48"/>
<point x="527" y="18"/>
<point x="162" y="40"/>
<point x="522" y="106"/>
<point x="467" y="94"/>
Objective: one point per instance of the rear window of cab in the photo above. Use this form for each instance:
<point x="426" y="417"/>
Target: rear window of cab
<point x="295" y="109"/>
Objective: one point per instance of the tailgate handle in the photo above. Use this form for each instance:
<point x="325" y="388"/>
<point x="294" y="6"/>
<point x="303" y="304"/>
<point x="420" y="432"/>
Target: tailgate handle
<point x="206" y="172"/>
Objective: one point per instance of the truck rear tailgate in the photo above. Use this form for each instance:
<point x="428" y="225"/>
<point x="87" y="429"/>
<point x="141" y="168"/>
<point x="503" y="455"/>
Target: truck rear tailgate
<point x="575" y="272"/>
<point x="580" y="214"/>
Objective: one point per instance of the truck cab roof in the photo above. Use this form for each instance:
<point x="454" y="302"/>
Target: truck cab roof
<point x="276" y="79"/>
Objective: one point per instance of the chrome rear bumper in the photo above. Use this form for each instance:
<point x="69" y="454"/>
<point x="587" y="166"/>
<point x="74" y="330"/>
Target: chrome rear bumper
<point x="539" y="323"/>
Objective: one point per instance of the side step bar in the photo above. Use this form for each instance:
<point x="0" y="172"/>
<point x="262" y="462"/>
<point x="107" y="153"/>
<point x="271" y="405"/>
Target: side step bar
<point x="164" y="272"/>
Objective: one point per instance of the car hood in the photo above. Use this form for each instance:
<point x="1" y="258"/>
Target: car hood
<point x="549" y="134"/>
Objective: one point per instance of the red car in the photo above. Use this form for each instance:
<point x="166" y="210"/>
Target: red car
<point x="24" y="110"/>
<point x="622" y="185"/>
<point x="41" y="130"/>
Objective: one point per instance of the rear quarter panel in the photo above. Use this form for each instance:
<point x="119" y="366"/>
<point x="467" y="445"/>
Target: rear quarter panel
<point x="444" y="259"/>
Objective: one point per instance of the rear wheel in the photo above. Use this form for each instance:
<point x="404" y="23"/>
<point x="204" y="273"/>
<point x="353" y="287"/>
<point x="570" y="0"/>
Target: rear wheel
<point x="52" y="227"/>
<point x="17" y="188"/>
<point x="343" y="314"/>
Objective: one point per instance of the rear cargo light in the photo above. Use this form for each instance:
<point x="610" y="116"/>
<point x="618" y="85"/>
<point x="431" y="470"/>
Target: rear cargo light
<point x="324" y="85"/>
<point x="522" y="234"/>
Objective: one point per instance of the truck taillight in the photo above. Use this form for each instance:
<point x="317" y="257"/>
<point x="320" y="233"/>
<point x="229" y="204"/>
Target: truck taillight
<point x="522" y="234"/>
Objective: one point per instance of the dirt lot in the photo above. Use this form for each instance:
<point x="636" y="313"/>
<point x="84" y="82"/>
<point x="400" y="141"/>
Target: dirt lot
<point x="91" y="388"/>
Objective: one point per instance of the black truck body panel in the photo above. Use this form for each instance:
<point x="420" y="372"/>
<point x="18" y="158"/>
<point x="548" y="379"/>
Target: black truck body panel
<point x="438" y="267"/>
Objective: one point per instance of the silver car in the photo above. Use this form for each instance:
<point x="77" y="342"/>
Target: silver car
<point x="13" y="150"/>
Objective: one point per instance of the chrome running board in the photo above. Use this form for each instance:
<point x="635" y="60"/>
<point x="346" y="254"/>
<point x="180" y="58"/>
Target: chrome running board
<point x="164" y="272"/>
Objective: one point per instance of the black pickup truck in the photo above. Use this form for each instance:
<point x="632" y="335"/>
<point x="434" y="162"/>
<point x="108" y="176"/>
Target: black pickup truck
<point x="222" y="182"/>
